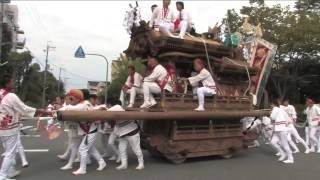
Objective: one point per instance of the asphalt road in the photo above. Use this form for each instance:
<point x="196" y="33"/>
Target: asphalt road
<point x="255" y="163"/>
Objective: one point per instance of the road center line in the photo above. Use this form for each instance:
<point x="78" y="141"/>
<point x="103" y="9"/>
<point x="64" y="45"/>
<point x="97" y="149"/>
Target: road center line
<point x="36" y="150"/>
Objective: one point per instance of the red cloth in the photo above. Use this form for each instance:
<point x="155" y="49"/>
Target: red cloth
<point x="54" y="132"/>
<point x="76" y="93"/>
<point x="6" y="91"/>
<point x="85" y="127"/>
<point x="177" y="22"/>
<point x="132" y="78"/>
<point x="165" y="12"/>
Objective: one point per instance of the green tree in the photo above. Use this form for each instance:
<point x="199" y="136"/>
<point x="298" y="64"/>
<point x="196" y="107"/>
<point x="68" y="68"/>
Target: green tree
<point x="29" y="79"/>
<point x="297" y="35"/>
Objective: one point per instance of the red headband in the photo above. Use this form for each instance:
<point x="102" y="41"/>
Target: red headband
<point x="76" y="93"/>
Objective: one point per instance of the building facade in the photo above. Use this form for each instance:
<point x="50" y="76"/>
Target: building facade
<point x="13" y="37"/>
<point x="95" y="87"/>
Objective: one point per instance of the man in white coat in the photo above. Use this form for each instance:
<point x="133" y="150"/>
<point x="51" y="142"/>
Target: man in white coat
<point x="183" y="21"/>
<point x="74" y="139"/>
<point x="88" y="130"/>
<point x="291" y="111"/>
<point x="132" y="86"/>
<point x="267" y="130"/>
<point x="203" y="81"/>
<point x="280" y="119"/>
<point x="154" y="83"/>
<point x="11" y="108"/>
<point x="313" y="118"/>
<point x="128" y="133"/>
<point x="163" y="18"/>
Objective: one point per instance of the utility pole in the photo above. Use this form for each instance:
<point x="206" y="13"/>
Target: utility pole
<point x="45" y="75"/>
<point x="1" y="27"/>
<point x="60" y="69"/>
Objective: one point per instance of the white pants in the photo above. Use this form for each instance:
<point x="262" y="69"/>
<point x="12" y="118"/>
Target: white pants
<point x="111" y="142"/>
<point x="10" y="145"/>
<point x="283" y="137"/>
<point x="133" y="92"/>
<point x="104" y="142"/>
<point x="314" y="141"/>
<point x="86" y="147"/>
<point x="134" y="142"/>
<point x="307" y="133"/>
<point x="202" y="92"/>
<point x="68" y="150"/>
<point x="293" y="132"/>
<point x="21" y="152"/>
<point x="150" y="88"/>
<point x="183" y="27"/>
<point x="73" y="145"/>
<point x="166" y="28"/>
<point x="275" y="143"/>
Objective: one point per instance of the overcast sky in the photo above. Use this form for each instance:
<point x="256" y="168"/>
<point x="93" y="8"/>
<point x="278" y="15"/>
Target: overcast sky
<point x="97" y="26"/>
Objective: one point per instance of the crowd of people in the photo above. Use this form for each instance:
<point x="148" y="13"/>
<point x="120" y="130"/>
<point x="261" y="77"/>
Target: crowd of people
<point x="164" y="19"/>
<point x="158" y="78"/>
<point x="83" y="135"/>
<point x="279" y="129"/>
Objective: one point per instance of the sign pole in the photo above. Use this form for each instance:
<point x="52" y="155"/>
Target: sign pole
<point x="81" y="54"/>
<point x="107" y="75"/>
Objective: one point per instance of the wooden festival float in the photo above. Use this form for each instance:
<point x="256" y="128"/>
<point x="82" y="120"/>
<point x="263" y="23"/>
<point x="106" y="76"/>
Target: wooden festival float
<point x="172" y="129"/>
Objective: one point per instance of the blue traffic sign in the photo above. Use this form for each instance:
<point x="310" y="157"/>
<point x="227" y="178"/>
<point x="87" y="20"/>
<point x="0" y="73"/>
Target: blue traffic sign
<point x="79" y="53"/>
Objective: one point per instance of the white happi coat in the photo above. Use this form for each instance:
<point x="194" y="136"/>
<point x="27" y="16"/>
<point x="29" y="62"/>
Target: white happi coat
<point x="205" y="78"/>
<point x="185" y="16"/>
<point x="291" y="111"/>
<point x="103" y="127"/>
<point x="137" y="80"/>
<point x="123" y="127"/>
<point x="71" y="126"/>
<point x="158" y="17"/>
<point x="84" y="106"/>
<point x="11" y="108"/>
<point x="159" y="75"/>
<point x="313" y="115"/>
<point x="280" y="118"/>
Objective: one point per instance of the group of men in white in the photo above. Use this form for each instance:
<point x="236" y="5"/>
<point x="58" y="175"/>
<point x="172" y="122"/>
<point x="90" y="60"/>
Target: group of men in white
<point x="280" y="129"/>
<point x="163" y="19"/>
<point x="159" y="79"/>
<point x="82" y="135"/>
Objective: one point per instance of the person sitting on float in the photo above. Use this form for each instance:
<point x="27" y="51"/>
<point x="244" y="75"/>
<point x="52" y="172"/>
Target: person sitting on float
<point x="163" y="18"/>
<point x="203" y="81"/>
<point x="154" y="82"/>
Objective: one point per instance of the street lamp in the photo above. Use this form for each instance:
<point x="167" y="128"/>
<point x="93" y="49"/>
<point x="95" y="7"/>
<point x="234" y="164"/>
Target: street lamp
<point x="80" y="54"/>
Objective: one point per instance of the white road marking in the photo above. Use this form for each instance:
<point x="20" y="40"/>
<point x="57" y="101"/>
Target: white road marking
<point x="36" y="150"/>
<point x="29" y="135"/>
<point x="26" y="127"/>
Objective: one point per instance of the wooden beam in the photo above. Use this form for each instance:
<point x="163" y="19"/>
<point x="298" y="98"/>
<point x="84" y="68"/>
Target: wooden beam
<point x="171" y="115"/>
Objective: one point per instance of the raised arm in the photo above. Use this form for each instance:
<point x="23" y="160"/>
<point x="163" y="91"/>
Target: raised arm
<point x="194" y="80"/>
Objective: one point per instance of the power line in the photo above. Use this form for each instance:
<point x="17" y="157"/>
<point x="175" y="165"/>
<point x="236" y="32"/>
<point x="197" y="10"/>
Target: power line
<point x="72" y="73"/>
<point x="33" y="19"/>
<point x="64" y="69"/>
<point x="35" y="11"/>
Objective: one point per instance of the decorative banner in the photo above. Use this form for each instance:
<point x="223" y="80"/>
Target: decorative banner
<point x="54" y="131"/>
<point x="261" y="58"/>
